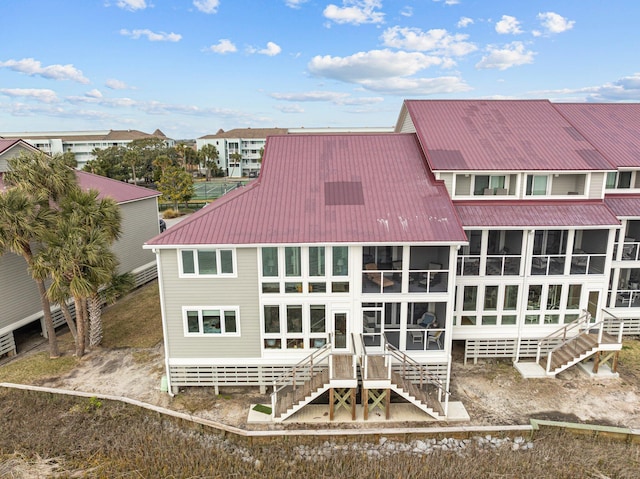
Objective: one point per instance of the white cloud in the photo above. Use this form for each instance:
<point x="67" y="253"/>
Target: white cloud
<point x="355" y="12"/>
<point x="132" y="5"/>
<point x="448" y="2"/>
<point x="294" y="3"/>
<point x="223" y="46"/>
<point x="417" y="86"/>
<point x="43" y="95"/>
<point x="508" y="25"/>
<point x="510" y="55"/>
<point x="151" y="36"/>
<point x="374" y="64"/>
<point x="625" y="89"/>
<point x="271" y="50"/>
<point x="32" y="67"/>
<point x="407" y="12"/>
<point x="554" y="23"/>
<point x="337" y="98"/>
<point x="437" y="41"/>
<point x="116" y="84"/>
<point x="207" y="6"/>
<point x="464" y="22"/>
<point x="95" y="93"/>
<point x="289" y="108"/>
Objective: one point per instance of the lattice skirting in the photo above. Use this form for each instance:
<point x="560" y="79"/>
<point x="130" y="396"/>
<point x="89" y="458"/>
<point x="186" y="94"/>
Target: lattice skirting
<point x="226" y="375"/>
<point x="503" y="348"/>
<point x="7" y="344"/>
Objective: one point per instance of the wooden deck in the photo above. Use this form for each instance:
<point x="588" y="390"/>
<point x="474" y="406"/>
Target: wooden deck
<point x="376" y="368"/>
<point x="343" y="366"/>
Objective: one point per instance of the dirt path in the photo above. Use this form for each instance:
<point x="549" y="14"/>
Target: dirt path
<point x="492" y="391"/>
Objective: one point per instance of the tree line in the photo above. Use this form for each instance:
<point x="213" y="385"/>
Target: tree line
<point x="64" y="234"/>
<point x="151" y="161"/>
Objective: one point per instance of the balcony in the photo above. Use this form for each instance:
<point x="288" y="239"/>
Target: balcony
<point x="468" y="265"/>
<point x="503" y="265"/>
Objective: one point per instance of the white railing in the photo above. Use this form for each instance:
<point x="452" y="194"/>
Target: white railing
<point x="469" y="265"/>
<point x="503" y="264"/>
<point x="626" y="298"/>
<point x="569" y="334"/>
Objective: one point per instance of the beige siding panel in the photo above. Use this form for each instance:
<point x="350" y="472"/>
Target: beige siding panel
<point x="597" y="184"/>
<point x="13" y="152"/>
<point x="139" y="224"/>
<point x="448" y="182"/>
<point x="407" y="125"/>
<point x="19" y="296"/>
<point x="241" y="291"/>
<point x="563" y="184"/>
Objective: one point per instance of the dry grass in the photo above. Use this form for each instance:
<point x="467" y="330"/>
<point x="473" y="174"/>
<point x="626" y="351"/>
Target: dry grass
<point x="103" y="439"/>
<point x="135" y="322"/>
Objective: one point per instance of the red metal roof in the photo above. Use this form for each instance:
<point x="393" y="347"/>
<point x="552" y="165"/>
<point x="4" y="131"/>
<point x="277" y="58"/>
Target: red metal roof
<point x="624" y="205"/>
<point x="539" y="214"/>
<point x="613" y="128"/>
<point x="118" y="190"/>
<point x="6" y="144"/>
<point x="329" y="189"/>
<point x="500" y="135"/>
<point x="121" y="192"/>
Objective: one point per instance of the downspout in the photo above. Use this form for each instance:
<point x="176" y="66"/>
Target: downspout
<point x="165" y="334"/>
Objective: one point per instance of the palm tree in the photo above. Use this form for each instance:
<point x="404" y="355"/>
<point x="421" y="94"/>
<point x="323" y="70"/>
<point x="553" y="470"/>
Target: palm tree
<point x="78" y="256"/>
<point x="208" y="156"/>
<point x="118" y="285"/>
<point x="23" y="222"/>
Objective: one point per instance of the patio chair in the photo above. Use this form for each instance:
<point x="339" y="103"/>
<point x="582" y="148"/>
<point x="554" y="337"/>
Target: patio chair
<point x="377" y="278"/>
<point x="435" y="338"/>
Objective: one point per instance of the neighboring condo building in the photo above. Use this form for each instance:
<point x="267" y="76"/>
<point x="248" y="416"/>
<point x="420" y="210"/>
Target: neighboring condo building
<point x="511" y="228"/>
<point x="82" y="143"/>
<point x="20" y="303"/>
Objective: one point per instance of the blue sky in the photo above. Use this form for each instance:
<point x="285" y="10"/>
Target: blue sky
<point x="191" y="67"/>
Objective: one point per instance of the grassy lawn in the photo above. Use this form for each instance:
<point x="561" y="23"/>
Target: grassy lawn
<point x="133" y="322"/>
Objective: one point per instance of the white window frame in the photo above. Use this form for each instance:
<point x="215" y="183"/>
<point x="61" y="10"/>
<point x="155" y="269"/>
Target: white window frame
<point x="196" y="273"/>
<point x="306" y="335"/>
<point x="548" y="180"/>
<point x="201" y="332"/>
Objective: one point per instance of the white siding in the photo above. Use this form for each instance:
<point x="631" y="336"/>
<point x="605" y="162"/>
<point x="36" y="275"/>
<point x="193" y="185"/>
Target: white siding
<point x="596" y="187"/>
<point x="241" y="291"/>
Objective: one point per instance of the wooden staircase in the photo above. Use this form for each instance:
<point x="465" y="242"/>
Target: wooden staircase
<point x="291" y="398"/>
<point x="423" y="396"/>
<point x="574" y="343"/>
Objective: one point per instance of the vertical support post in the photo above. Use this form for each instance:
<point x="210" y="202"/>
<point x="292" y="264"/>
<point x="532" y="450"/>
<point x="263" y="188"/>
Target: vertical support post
<point x="614" y="366"/>
<point x="331" y="405"/>
<point x="387" y="403"/>
<point x="353" y="404"/>
<point x="365" y="403"/>
<point x="596" y="362"/>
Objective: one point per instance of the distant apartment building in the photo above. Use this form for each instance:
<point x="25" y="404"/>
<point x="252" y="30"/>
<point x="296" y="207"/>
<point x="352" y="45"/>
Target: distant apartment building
<point x="82" y="143"/>
<point x="249" y="142"/>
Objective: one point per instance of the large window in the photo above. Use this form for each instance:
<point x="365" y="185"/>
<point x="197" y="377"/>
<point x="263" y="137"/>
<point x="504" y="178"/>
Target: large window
<point x="618" y="180"/>
<point x="295" y="326"/>
<point x="207" y="262"/>
<point x="537" y="185"/>
<point x="211" y="320"/>
<point x="489" y="185"/>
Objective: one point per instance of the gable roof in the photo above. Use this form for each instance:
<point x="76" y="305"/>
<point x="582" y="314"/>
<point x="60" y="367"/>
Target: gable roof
<point x="247" y="133"/>
<point x="118" y="190"/>
<point x="613" y="128"/>
<point x="329" y="189"/>
<point x="500" y="135"/>
<point x="7" y="144"/>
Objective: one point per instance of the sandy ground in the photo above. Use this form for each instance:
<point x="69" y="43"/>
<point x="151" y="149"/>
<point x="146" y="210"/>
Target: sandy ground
<point x="492" y="391"/>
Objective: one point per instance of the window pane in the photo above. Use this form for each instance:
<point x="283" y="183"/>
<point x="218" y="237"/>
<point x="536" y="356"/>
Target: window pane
<point x="292" y="260"/>
<point x="510" y="297"/>
<point x="207" y="262"/>
<point x="611" y="180"/>
<point x="226" y="261"/>
<point x="481" y="182"/>
<point x="340" y="261"/>
<point x="316" y="261"/>
<point x="294" y="319"/>
<point x="539" y="185"/>
<point x="317" y="312"/>
<point x="573" y="301"/>
<point x="508" y="319"/>
<point x="470" y="298"/>
<point x="211" y="321"/>
<point x="188" y="265"/>
<point x="535" y="292"/>
<point x="553" y="297"/>
<point x="317" y="287"/>
<point x="270" y="261"/>
<point x="489" y="320"/>
<point x="193" y="325"/>
<point x="270" y="287"/>
<point x="272" y="319"/>
<point x="624" y="179"/>
<point x="230" y="322"/>
<point x="490" y="299"/>
<point x="496" y="182"/>
<point x="340" y="287"/>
